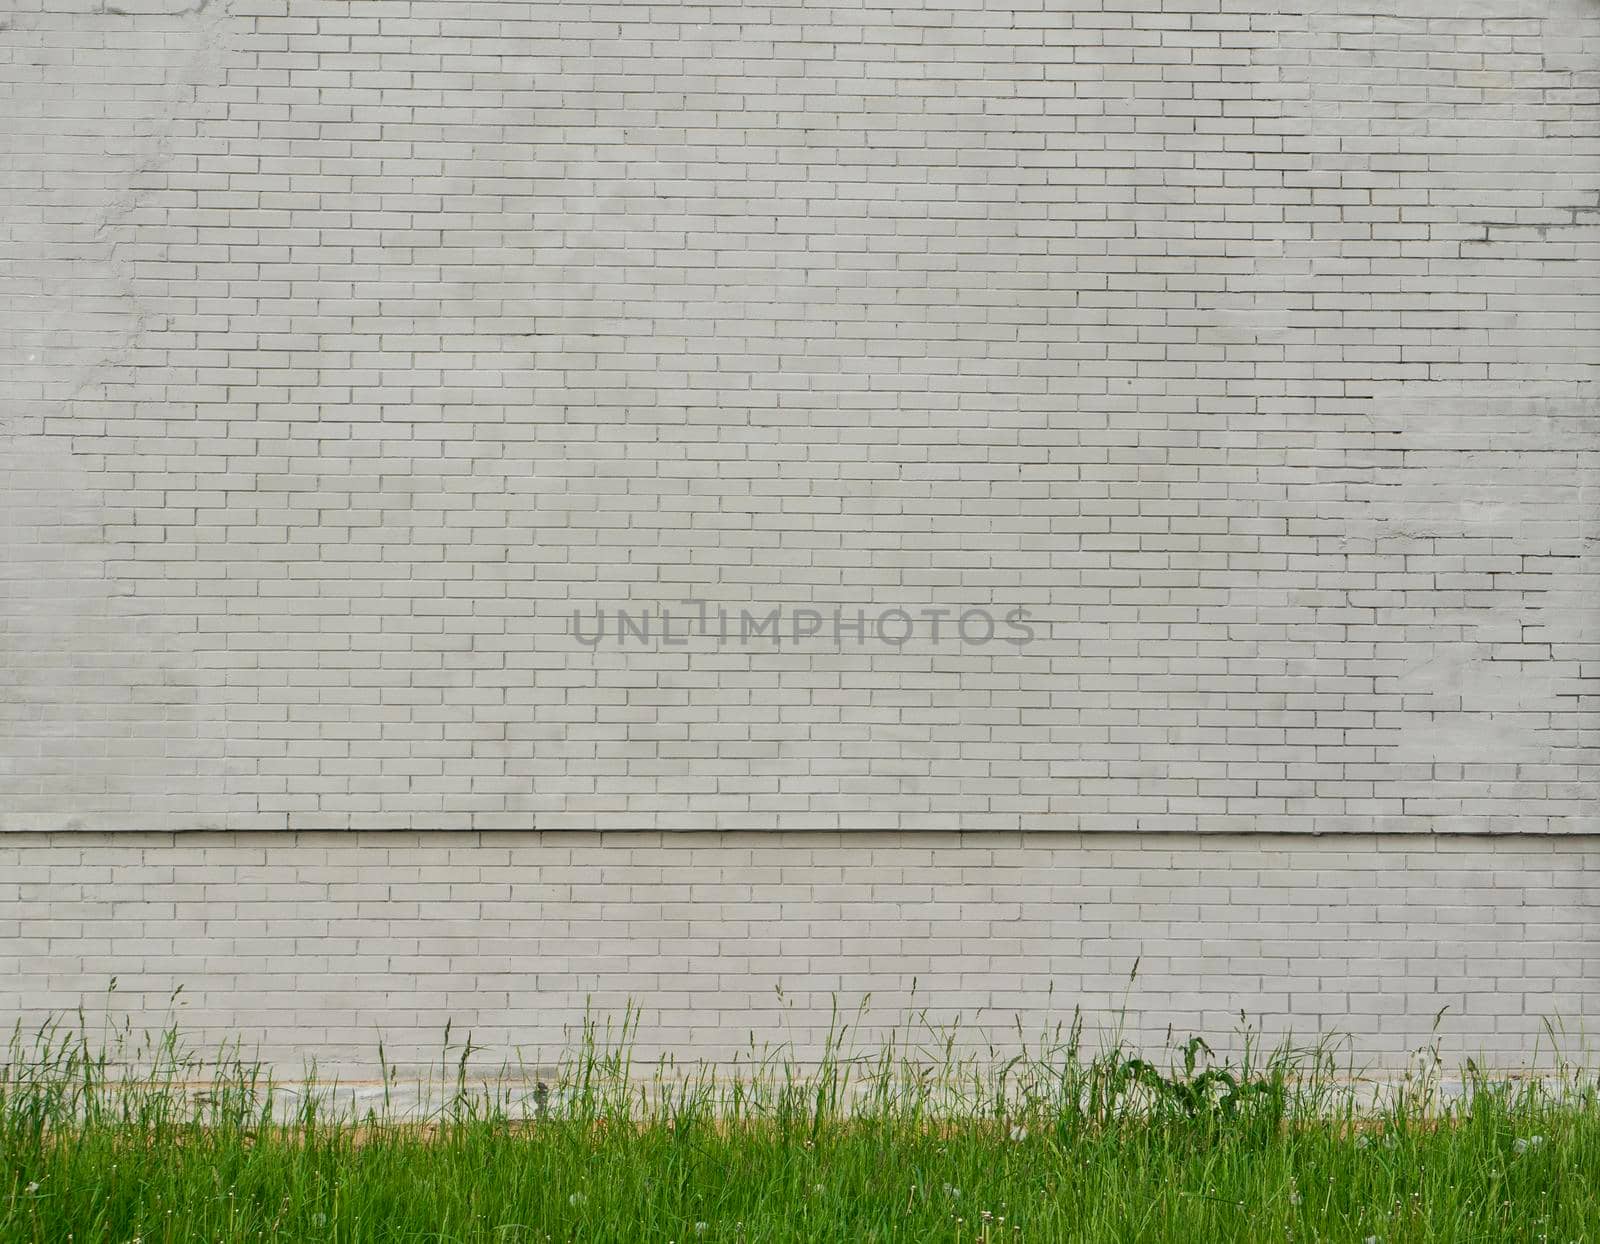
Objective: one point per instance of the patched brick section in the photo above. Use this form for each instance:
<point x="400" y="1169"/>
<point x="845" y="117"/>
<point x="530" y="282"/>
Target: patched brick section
<point x="314" y="945"/>
<point x="1482" y="517"/>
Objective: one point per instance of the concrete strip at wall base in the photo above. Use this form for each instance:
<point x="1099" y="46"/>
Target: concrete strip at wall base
<point x="316" y="945"/>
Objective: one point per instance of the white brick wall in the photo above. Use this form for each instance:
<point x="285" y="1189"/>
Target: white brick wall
<point x="316" y="944"/>
<point x="347" y="349"/>
<point x="350" y="347"/>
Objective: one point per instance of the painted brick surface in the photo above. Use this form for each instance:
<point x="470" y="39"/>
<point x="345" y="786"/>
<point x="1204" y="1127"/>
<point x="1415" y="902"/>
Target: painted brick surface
<point x="350" y="348"/>
<point x="317" y="944"/>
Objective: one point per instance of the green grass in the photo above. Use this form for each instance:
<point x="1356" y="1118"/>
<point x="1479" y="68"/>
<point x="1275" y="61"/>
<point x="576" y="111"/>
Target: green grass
<point x="103" y="1139"/>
